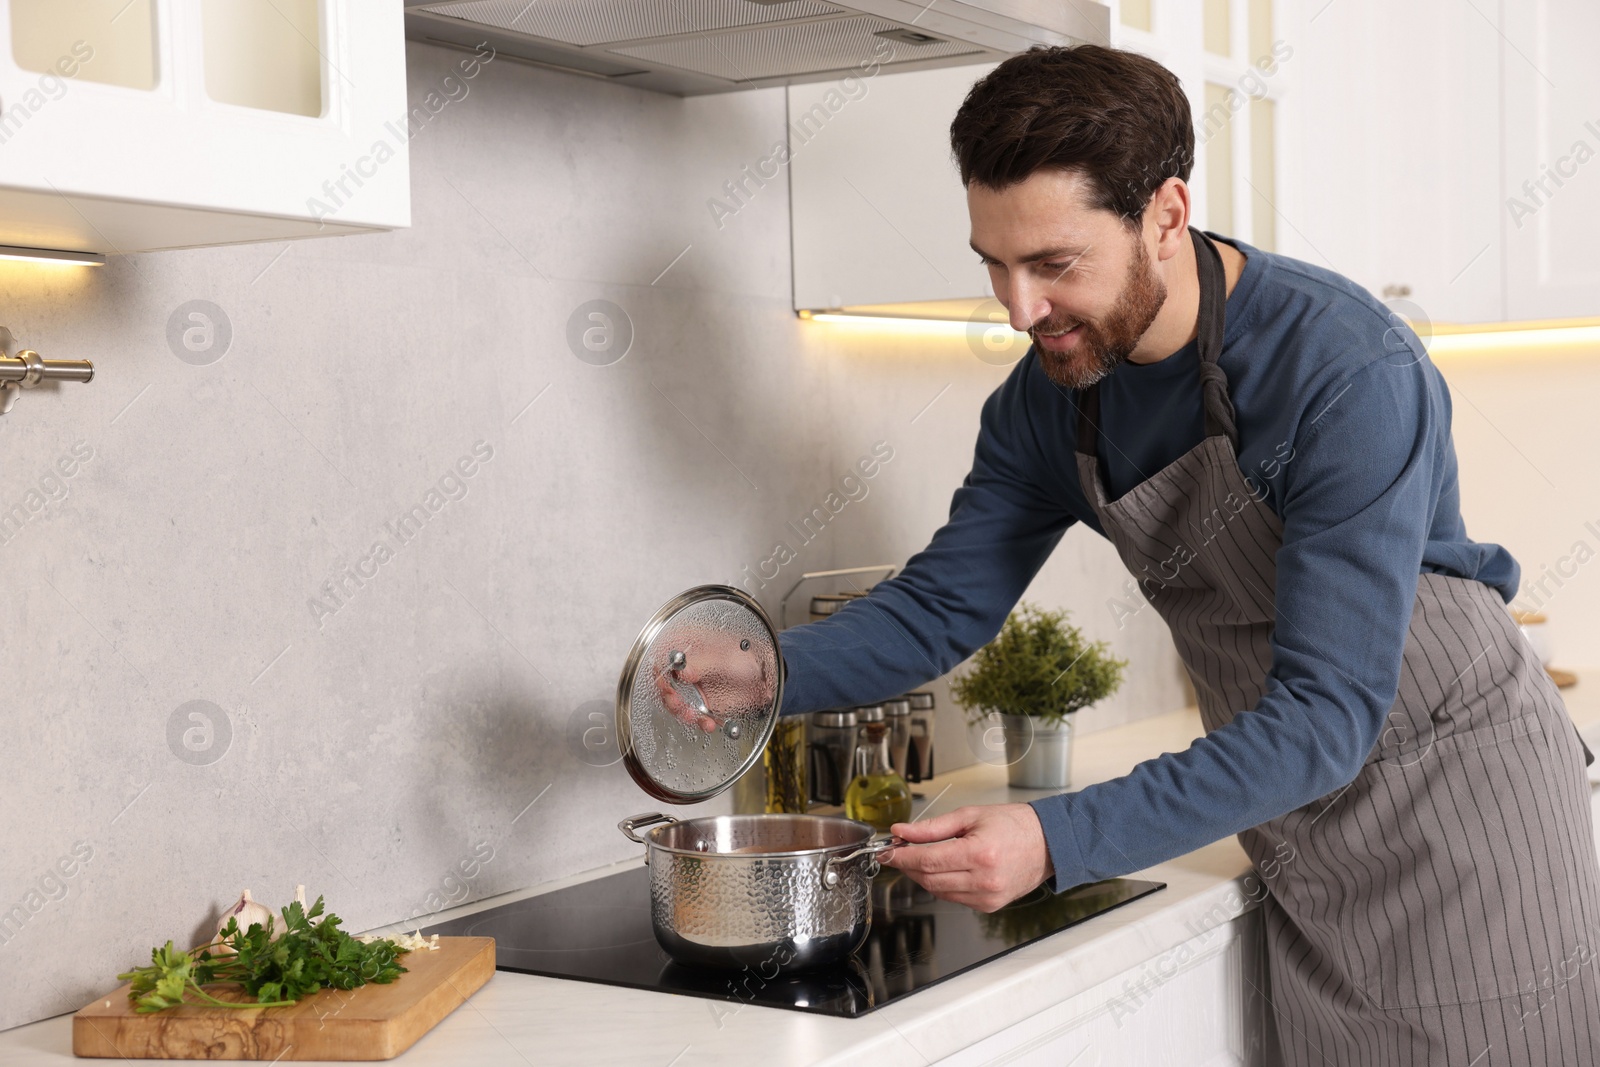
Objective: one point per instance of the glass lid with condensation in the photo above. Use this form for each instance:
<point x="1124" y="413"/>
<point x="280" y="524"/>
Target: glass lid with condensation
<point x="699" y="694"/>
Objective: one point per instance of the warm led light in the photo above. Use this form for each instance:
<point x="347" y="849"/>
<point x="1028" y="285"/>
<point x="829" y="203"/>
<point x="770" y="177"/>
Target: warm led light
<point x="946" y="327"/>
<point x="1446" y="340"/>
<point x="1524" y="337"/>
<point x="54" y="256"/>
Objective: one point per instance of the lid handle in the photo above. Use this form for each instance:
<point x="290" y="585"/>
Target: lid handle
<point x="676" y="661"/>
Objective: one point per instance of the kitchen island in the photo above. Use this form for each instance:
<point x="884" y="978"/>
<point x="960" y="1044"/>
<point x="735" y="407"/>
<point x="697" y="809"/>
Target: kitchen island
<point x="1175" y="978"/>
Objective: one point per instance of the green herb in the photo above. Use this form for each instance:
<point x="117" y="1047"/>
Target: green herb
<point x="786" y="767"/>
<point x="308" y="957"/>
<point x="1040" y="666"/>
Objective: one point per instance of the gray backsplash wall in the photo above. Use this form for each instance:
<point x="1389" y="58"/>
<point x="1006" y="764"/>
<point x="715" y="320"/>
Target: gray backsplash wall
<point x="431" y="712"/>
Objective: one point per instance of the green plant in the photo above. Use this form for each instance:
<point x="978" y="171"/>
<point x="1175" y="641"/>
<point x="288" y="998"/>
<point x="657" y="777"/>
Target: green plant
<point x="1039" y="665"/>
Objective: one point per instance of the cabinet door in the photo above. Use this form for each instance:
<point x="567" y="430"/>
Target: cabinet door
<point x="1437" y="111"/>
<point x="1395" y="152"/>
<point x="1551" y="176"/>
<point x="1195" y="1005"/>
<point x="877" y="208"/>
<point x="167" y="123"/>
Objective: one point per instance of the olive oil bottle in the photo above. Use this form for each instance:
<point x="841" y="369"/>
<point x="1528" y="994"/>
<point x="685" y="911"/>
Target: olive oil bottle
<point x="878" y="795"/>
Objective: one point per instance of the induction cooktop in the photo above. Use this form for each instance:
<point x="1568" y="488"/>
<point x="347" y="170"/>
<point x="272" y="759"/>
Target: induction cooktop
<point x="599" y="931"/>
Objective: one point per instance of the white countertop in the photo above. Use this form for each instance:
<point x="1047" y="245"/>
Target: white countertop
<point x="523" y="1020"/>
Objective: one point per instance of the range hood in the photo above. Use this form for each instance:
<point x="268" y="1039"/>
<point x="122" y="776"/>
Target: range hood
<point x="692" y="47"/>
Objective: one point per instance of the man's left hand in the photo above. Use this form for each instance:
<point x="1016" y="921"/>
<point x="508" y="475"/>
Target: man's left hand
<point x="984" y="856"/>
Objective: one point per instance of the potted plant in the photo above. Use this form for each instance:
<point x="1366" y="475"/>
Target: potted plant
<point x="1034" y="676"/>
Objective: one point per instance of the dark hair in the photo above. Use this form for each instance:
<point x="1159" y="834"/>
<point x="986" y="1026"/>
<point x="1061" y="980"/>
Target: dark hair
<point x="1118" y="118"/>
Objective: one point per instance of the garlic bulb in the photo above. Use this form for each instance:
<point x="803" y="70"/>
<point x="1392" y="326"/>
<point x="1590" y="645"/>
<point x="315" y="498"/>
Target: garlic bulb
<point x="246" y="912"/>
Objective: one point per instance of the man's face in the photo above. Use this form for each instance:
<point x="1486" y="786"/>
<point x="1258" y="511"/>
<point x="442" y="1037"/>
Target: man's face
<point x="1074" y="277"/>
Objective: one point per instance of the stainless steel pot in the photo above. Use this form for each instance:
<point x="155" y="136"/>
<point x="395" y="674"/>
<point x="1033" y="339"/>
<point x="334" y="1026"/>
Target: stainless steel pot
<point x="771" y="893"/>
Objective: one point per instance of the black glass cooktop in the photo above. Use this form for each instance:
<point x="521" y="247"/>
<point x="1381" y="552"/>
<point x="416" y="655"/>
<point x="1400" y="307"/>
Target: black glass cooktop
<point x="599" y="931"/>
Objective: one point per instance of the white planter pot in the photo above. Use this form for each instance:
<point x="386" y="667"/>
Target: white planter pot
<point x="1038" y="754"/>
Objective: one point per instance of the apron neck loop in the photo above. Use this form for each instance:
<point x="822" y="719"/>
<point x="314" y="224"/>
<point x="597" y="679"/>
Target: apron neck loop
<point x="1213" y="305"/>
<point x="1220" y="421"/>
<point x="1088" y="402"/>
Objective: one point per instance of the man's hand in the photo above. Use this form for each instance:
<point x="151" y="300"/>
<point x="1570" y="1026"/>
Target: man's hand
<point x="984" y="856"/>
<point x="730" y="679"/>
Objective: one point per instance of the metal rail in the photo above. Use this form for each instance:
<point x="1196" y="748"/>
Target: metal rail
<point x="28" y="368"/>
<point x="24" y="368"/>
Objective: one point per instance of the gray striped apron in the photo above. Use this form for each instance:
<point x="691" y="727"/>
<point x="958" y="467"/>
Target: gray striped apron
<point x="1443" y="907"/>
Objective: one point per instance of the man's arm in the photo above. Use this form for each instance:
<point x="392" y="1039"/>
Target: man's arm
<point x="1358" y="504"/>
<point x="953" y="596"/>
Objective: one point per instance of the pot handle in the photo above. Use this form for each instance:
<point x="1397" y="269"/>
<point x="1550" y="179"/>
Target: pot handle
<point x="830" y="869"/>
<point x="633" y="822"/>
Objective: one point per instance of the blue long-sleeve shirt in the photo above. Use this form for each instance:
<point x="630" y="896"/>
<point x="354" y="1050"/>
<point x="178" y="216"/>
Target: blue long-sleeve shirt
<point x="1344" y="425"/>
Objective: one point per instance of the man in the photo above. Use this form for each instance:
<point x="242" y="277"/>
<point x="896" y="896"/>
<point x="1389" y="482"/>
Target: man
<point x="1270" y="453"/>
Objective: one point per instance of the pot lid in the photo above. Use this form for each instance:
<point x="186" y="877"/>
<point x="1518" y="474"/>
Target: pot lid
<point x="708" y="628"/>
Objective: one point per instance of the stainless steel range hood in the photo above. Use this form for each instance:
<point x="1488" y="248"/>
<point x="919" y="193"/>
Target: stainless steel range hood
<point x="690" y="47"/>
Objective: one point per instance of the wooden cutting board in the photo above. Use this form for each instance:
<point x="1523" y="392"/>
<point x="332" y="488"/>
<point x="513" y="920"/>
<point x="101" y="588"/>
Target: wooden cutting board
<point x="375" y="1022"/>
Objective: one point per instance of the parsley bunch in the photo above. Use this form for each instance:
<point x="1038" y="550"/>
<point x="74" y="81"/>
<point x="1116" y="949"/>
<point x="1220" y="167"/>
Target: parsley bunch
<point x="275" y="972"/>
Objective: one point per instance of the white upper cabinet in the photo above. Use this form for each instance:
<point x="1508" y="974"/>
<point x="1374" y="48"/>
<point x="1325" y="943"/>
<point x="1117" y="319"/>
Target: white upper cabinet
<point x="1551" y="173"/>
<point x="129" y="125"/>
<point x="878" y="211"/>
<point x="879" y="215"/>
<point x="1443" y="154"/>
<point x="1395" y="153"/>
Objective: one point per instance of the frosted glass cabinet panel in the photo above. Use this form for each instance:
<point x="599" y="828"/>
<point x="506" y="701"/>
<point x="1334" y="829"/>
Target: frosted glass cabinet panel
<point x="134" y="125"/>
<point x="1135" y="14"/>
<point x="1217" y="20"/>
<point x="1260" y="28"/>
<point x="1263" y="174"/>
<point x="265" y="54"/>
<point x="108" y="41"/>
<point x="1218" y="156"/>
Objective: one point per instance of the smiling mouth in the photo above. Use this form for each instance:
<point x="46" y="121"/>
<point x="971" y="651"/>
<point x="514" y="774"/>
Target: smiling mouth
<point x="1058" y="341"/>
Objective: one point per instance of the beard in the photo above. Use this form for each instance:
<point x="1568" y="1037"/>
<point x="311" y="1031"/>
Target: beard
<point x="1105" y="344"/>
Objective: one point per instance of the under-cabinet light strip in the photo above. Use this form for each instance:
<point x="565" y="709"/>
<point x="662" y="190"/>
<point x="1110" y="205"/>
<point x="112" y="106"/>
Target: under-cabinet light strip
<point x="943" y="326"/>
<point x="1444" y="339"/>
<point x="52" y="255"/>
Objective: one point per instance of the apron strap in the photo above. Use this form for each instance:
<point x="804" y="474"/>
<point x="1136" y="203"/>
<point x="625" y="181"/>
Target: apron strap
<point x="1213" y="382"/>
<point x="1088" y="403"/>
<point x="1220" y="418"/>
